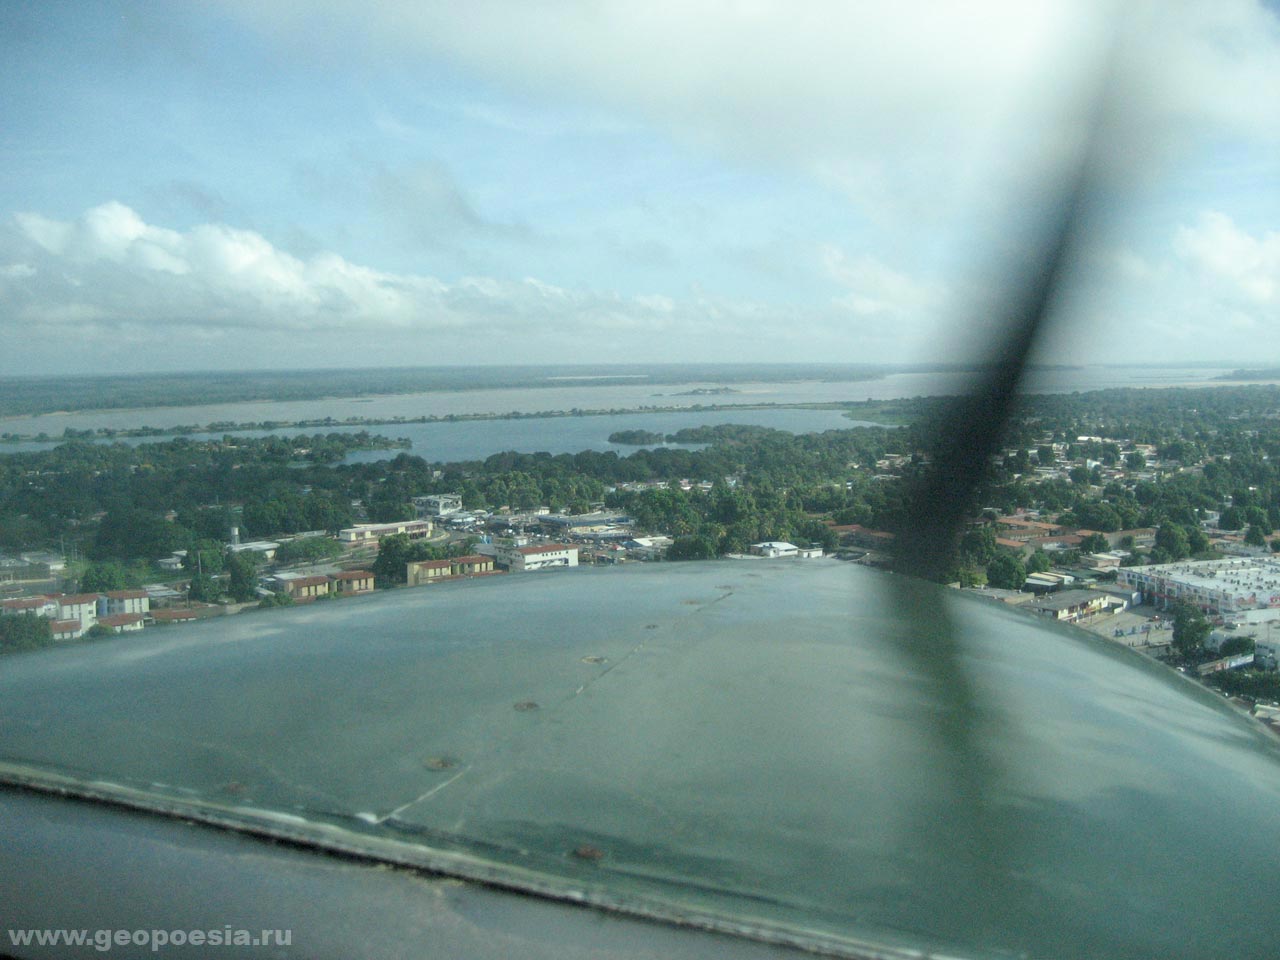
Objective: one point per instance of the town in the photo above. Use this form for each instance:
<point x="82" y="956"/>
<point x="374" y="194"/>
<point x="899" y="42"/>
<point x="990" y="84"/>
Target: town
<point x="1109" y="511"/>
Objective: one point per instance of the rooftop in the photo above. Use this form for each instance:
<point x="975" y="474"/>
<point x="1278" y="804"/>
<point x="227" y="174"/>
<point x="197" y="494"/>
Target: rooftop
<point x="1239" y="576"/>
<point x="25" y="603"/>
<point x="545" y="548"/>
<point x="1067" y="599"/>
<point x="68" y="599"/>
<point x="313" y="581"/>
<point x="120" y="619"/>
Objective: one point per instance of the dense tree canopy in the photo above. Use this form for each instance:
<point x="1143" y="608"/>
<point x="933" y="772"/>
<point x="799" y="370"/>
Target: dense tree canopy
<point x="118" y="502"/>
<point x="1007" y="571"/>
<point x="242" y="575"/>
<point x="24" y="632"/>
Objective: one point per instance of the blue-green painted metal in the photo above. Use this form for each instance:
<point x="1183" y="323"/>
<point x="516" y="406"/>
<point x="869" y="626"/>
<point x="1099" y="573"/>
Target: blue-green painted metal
<point x="784" y="749"/>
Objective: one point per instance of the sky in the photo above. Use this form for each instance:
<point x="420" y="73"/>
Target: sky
<point x="237" y="184"/>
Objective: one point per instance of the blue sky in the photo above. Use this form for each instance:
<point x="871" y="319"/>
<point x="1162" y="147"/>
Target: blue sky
<point x="248" y="184"/>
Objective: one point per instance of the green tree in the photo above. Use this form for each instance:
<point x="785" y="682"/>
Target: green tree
<point x="1018" y="461"/>
<point x="394" y="554"/>
<point x="1172" y="540"/>
<point x="1006" y="571"/>
<point x="104" y="576"/>
<point x="1039" y="562"/>
<point x="203" y="587"/>
<point x="1254" y="536"/>
<point x="1232" y="518"/>
<point x="308" y="549"/>
<point x="1096" y="515"/>
<point x="1233" y="645"/>
<point x="1257" y="517"/>
<point x="242" y="572"/>
<point x="128" y="534"/>
<point x="390" y="510"/>
<point x="1190" y="629"/>
<point x="692" y="548"/>
<point x="24" y="631"/>
<point x="1094" y="543"/>
<point x="204" y="556"/>
<point x="979" y="545"/>
<point x="1136" y="460"/>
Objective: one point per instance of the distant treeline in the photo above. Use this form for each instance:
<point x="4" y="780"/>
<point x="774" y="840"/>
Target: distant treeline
<point x="1265" y="373"/>
<point x="704" y="434"/>
<point x="29" y="396"/>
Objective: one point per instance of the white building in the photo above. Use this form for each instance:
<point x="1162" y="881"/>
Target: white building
<point x="119" y="602"/>
<point x="173" y="563"/>
<point x="36" y="606"/>
<point x="121" y="622"/>
<point x="81" y="608"/>
<point x="439" y="504"/>
<point x="540" y="557"/>
<point x="775" y="548"/>
<point x="366" y="533"/>
<point x="648" y="548"/>
<point x="1047" y="582"/>
<point x="267" y="548"/>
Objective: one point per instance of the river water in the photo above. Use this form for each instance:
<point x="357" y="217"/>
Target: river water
<point x="468" y="440"/>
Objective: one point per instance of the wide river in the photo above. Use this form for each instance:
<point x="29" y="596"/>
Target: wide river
<point x="469" y="440"/>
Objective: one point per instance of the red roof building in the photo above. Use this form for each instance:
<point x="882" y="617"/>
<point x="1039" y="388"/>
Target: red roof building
<point x="120" y="622"/>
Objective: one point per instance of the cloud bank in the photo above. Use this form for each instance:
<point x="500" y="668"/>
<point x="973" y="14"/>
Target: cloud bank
<point x="111" y="275"/>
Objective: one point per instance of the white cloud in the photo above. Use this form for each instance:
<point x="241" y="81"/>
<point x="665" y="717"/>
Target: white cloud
<point x="17" y="271"/>
<point x="909" y="107"/>
<point x="856" y="94"/>
<point x="877" y="290"/>
<point x="111" y="271"/>
<point x="1131" y="265"/>
<point x="1242" y="267"/>
<point x="49" y="234"/>
<point x="1186" y="66"/>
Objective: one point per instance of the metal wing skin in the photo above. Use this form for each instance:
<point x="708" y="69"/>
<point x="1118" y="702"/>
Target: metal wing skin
<point x="736" y="749"/>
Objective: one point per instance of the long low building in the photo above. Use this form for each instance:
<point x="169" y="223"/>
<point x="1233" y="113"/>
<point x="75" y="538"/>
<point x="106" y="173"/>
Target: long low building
<point x="1215" y="586"/>
<point x="1072" y="605"/>
<point x="307" y="588"/>
<point x="373" y="532"/>
<point x="429" y="571"/>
